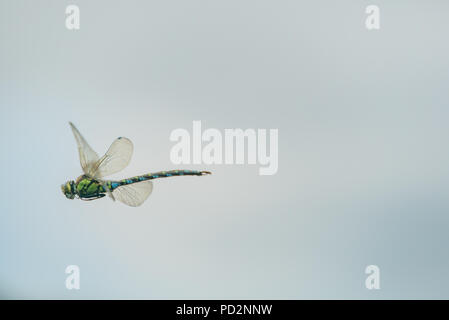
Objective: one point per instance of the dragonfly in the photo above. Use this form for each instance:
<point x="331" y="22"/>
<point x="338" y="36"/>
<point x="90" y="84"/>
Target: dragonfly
<point x="91" y="185"/>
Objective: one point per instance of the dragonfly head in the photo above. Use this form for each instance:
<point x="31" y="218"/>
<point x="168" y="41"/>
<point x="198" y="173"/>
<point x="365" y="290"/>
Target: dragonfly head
<point x="69" y="189"/>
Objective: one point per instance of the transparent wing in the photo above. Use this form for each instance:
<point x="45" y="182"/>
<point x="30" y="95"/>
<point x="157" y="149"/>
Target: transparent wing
<point x="133" y="194"/>
<point x="88" y="157"/>
<point x="115" y="159"/>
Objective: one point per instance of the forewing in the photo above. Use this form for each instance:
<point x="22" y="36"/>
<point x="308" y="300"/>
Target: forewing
<point x="133" y="194"/>
<point x="88" y="157"/>
<point x="115" y="159"/>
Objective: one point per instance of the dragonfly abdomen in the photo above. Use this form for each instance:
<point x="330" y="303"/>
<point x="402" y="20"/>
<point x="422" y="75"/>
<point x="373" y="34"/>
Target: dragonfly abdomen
<point x="157" y="175"/>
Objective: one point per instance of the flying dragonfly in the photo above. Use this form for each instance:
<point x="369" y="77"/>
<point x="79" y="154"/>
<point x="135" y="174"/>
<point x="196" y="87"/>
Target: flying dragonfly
<point x="90" y="185"/>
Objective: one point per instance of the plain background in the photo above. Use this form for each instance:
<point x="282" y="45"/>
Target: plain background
<point x="363" y="160"/>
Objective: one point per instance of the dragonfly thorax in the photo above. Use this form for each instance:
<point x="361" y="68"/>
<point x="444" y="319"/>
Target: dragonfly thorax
<point x="69" y="189"/>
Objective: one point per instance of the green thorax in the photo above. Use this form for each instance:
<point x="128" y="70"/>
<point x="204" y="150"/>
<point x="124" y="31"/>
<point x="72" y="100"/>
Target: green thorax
<point x="87" y="187"/>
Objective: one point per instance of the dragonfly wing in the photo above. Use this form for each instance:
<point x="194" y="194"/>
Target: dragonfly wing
<point x="115" y="159"/>
<point x="88" y="157"/>
<point x="133" y="194"/>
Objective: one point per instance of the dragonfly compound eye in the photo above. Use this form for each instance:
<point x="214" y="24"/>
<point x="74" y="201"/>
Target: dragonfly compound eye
<point x="68" y="190"/>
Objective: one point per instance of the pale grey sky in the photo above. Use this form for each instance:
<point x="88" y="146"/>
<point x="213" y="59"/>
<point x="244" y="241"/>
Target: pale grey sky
<point x="363" y="160"/>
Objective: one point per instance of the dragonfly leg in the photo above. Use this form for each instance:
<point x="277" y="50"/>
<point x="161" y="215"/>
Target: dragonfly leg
<point x="101" y="195"/>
